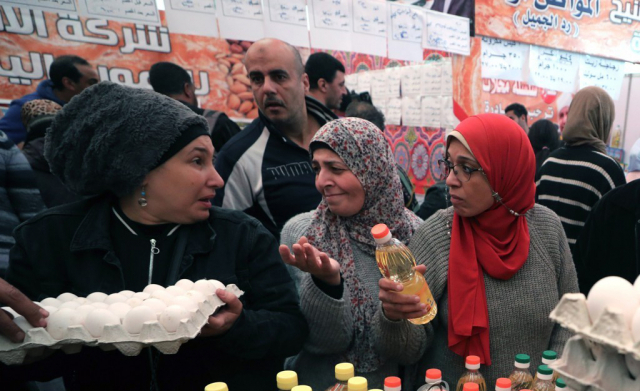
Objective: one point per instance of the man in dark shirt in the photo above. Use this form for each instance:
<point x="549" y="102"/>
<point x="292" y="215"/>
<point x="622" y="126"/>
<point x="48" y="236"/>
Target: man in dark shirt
<point x="173" y="81"/>
<point x="267" y="168"/>
<point x="326" y="79"/>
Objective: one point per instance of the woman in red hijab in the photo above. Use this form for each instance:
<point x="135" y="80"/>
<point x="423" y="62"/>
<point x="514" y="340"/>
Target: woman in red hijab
<point x="496" y="262"/>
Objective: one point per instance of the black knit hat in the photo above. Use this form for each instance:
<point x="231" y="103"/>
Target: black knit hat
<point x="110" y="136"/>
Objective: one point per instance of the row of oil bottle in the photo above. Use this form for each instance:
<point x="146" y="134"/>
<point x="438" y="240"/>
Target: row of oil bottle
<point x="520" y="378"/>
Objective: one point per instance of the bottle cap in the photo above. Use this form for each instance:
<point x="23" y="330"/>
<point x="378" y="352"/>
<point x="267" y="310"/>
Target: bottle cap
<point x="287" y="380"/>
<point x="503" y="384"/>
<point x="549" y="356"/>
<point x="357" y="383"/>
<point x="344" y="371"/>
<point x="472" y="362"/>
<point x="470" y="387"/>
<point x="381" y="233"/>
<point x="433" y="374"/>
<point x="560" y="383"/>
<point x="219" y="386"/>
<point x="522" y="361"/>
<point x="392" y="381"/>
<point x="544" y="372"/>
<point x="301" y="388"/>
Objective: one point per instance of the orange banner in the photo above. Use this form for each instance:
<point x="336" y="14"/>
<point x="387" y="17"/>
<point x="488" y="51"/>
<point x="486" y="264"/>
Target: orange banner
<point x="605" y="28"/>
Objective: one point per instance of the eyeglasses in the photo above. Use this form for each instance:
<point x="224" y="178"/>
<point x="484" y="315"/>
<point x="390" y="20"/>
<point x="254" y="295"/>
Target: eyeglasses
<point x="463" y="173"/>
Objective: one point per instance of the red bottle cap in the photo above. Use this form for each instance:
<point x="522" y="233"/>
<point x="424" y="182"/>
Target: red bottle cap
<point x="470" y="387"/>
<point x="473" y="360"/>
<point x="434" y="374"/>
<point x="379" y="231"/>
<point x="392" y="381"/>
<point x="503" y="383"/>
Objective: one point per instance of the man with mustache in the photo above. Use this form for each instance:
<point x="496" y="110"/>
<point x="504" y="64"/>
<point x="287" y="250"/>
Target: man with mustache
<point x="266" y="167"/>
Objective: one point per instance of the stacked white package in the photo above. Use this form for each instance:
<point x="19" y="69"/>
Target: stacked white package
<point x="127" y="321"/>
<point x="605" y="353"/>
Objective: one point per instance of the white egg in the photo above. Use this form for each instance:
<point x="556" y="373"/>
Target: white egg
<point x="612" y="292"/>
<point x="51" y="301"/>
<point x="175" y="291"/>
<point x="64" y="297"/>
<point x="127" y="293"/>
<point x="164" y="296"/>
<point x="636" y="286"/>
<point x="70" y="304"/>
<point x="97" y="297"/>
<point x="99" y="304"/>
<point x="217" y="284"/>
<point x="86" y="308"/>
<point x="205" y="287"/>
<point x="134" y="302"/>
<point x="135" y="319"/>
<point x="141" y="295"/>
<point x="187" y="303"/>
<point x="59" y="322"/>
<point x="50" y="309"/>
<point x="120" y="309"/>
<point x="170" y="318"/>
<point x="97" y="319"/>
<point x="156" y="304"/>
<point x="152" y="288"/>
<point x="11" y="311"/>
<point x="197" y="296"/>
<point x="185" y="284"/>
<point x="115" y="298"/>
<point x="82" y="300"/>
<point x="635" y="326"/>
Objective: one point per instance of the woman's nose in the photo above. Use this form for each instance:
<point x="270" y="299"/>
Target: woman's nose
<point x="452" y="180"/>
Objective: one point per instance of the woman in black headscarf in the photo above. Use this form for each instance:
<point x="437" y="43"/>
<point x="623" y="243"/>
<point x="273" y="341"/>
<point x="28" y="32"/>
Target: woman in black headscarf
<point x="544" y="138"/>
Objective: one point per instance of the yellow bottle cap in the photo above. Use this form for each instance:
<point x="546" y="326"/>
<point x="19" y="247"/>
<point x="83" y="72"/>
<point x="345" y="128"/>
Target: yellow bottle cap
<point x="357" y="383"/>
<point x="376" y="389"/>
<point x="220" y="386"/>
<point x="301" y="388"/>
<point x="287" y="380"/>
<point x="344" y="371"/>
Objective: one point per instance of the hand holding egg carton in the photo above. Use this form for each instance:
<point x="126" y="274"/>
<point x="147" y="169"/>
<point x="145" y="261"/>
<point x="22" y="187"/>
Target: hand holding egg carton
<point x="127" y="321"/>
<point x="605" y="353"/>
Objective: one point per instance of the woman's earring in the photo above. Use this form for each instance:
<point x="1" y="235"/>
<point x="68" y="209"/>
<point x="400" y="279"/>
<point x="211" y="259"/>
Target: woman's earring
<point x="142" y="201"/>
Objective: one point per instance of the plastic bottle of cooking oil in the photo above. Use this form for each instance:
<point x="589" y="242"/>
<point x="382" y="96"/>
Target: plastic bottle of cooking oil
<point x="286" y="380"/>
<point x="544" y="379"/>
<point x="219" y="386"/>
<point x="392" y="383"/>
<point x="503" y="384"/>
<point x="357" y="383"/>
<point x="344" y="372"/>
<point x="396" y="262"/>
<point x="548" y="357"/>
<point x="472" y="374"/>
<point x="521" y="377"/>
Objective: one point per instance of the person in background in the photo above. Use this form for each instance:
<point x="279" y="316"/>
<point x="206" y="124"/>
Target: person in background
<point x="326" y="79"/>
<point x="332" y="257"/>
<point x="609" y="243"/>
<point x="153" y="186"/>
<point x="369" y="112"/>
<point x="518" y="113"/>
<point x="563" y="116"/>
<point x="37" y="116"/>
<point x="577" y="175"/>
<point x="633" y="171"/>
<point x="173" y="81"/>
<point x="496" y="262"/>
<point x="68" y="76"/>
<point x="545" y="139"/>
<point x="20" y="199"/>
<point x="267" y="167"/>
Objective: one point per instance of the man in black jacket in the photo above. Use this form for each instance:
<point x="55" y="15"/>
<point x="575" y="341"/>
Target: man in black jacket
<point x="173" y="81"/>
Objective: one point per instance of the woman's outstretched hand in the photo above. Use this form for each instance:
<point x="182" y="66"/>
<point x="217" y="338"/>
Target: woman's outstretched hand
<point x="311" y="260"/>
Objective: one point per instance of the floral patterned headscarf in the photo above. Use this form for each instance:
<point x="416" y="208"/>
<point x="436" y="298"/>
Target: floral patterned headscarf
<point x="363" y="148"/>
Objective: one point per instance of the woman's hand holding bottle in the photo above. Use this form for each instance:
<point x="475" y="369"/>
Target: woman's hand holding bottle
<point x="397" y="306"/>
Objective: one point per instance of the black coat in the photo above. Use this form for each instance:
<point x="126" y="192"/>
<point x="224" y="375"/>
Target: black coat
<point x="609" y="244"/>
<point x="69" y="249"/>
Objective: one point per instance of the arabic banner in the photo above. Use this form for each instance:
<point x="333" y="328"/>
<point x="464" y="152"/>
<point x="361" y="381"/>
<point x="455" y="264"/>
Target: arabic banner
<point x="605" y="28"/>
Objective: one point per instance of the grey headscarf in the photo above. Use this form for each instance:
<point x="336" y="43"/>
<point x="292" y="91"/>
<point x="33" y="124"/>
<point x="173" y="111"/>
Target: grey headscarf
<point x="591" y="116"/>
<point x="109" y="137"/>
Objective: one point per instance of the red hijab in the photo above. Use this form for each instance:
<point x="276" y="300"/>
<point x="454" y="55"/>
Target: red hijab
<point x="495" y="242"/>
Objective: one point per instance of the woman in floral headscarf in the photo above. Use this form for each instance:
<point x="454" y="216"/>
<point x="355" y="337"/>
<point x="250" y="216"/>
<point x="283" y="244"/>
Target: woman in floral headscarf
<point x="334" y="257"/>
<point x="497" y="263"/>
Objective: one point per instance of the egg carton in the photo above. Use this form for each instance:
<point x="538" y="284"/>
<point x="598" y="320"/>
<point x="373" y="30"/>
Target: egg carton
<point x="609" y="330"/>
<point x="37" y="340"/>
<point x="589" y="366"/>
